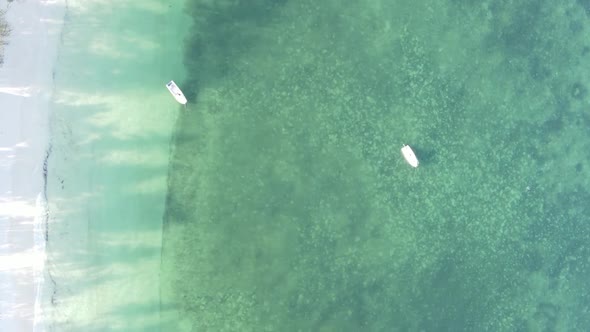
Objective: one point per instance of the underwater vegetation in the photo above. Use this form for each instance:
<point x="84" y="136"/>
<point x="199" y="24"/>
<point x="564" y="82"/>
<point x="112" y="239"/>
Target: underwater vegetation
<point x="290" y="207"/>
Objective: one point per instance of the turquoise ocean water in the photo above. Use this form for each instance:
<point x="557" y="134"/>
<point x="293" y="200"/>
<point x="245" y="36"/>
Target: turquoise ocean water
<point x="278" y="200"/>
<point x="290" y="208"/>
<point x="107" y="163"/>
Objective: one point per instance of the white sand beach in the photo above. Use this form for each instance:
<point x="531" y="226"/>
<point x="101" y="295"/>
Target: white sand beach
<point x="83" y="102"/>
<point x="25" y="91"/>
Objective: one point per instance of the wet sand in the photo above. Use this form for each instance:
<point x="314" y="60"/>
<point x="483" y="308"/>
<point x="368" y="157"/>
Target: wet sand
<point x="25" y="90"/>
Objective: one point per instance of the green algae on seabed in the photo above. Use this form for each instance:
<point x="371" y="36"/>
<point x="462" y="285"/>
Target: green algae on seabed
<point x="291" y="209"/>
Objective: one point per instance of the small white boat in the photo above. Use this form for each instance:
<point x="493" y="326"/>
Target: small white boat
<point x="176" y="92"/>
<point x="410" y="155"/>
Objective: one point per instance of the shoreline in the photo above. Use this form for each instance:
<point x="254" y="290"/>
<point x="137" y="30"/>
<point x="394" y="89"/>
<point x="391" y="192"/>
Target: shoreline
<point x="26" y="86"/>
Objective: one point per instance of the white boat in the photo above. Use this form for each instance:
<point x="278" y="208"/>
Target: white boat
<point x="410" y="155"/>
<point x="176" y="92"/>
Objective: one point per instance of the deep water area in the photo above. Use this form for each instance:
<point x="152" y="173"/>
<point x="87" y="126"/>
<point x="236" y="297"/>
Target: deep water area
<point x="290" y="207"/>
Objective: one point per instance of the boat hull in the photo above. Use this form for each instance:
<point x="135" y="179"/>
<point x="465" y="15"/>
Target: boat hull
<point x="176" y="92"/>
<point x="410" y="156"/>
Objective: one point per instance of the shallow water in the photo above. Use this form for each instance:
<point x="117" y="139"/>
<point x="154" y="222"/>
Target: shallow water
<point x="290" y="207"/>
<point x="111" y="124"/>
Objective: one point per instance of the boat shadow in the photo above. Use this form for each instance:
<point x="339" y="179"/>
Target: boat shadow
<point x="425" y="156"/>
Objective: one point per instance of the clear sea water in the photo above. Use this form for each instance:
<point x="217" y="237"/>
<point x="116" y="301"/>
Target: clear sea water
<point x="111" y="124"/>
<point x="288" y="206"/>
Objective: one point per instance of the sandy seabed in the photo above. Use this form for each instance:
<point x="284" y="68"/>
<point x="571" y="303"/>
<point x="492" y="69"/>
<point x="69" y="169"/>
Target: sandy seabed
<point x="85" y="124"/>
